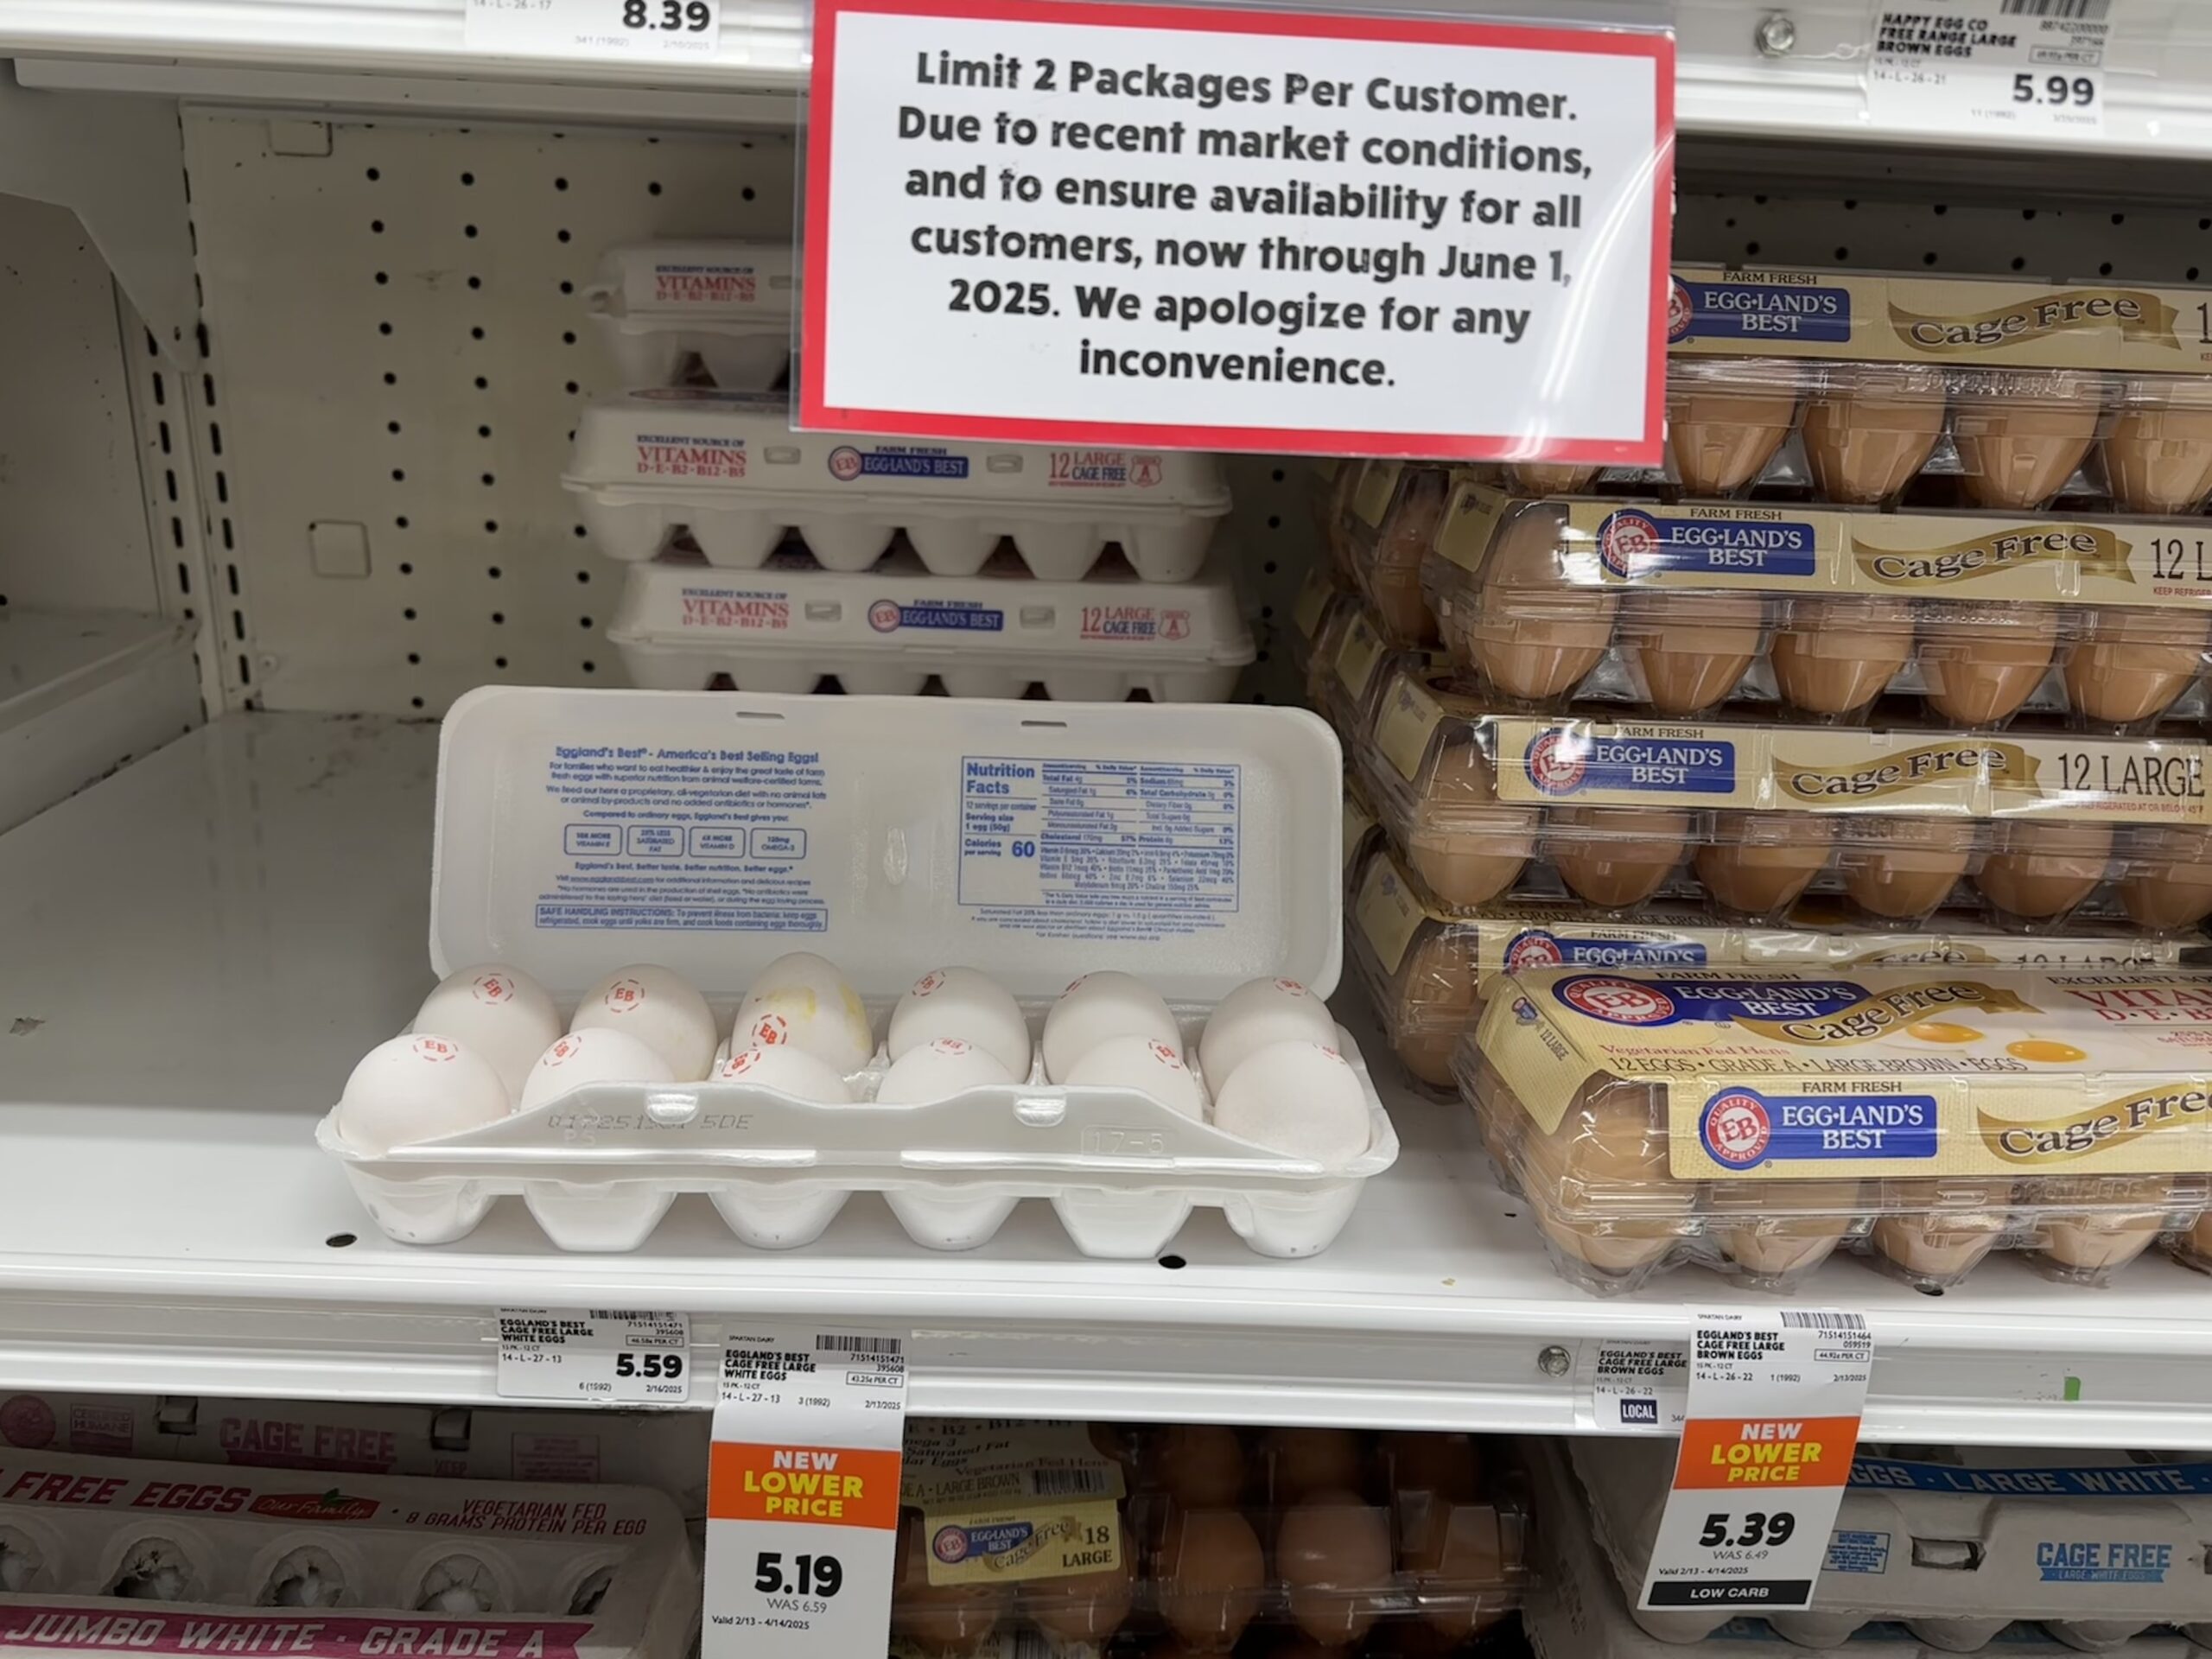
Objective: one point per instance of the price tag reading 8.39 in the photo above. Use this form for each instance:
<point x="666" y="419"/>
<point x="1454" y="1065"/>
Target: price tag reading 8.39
<point x="639" y="30"/>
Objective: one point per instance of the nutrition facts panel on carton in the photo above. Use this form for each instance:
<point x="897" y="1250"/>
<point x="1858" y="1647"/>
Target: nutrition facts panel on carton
<point x="1083" y="848"/>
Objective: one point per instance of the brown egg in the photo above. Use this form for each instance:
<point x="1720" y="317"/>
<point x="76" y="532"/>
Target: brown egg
<point x="1869" y="428"/>
<point x="2104" y="1237"/>
<point x="1332" y="1554"/>
<point x="2167" y="883"/>
<point x="1436" y="999"/>
<point x="2197" y="1242"/>
<point x="1615" y="856"/>
<point x="1982" y="662"/>
<point x="1210" y="1577"/>
<point x="2158" y="454"/>
<point x="1836" y="656"/>
<point x="1937" y="1230"/>
<point x="1466" y="846"/>
<point x="1759" y="862"/>
<point x="947" y="1619"/>
<point x="2129" y="665"/>
<point x="1395" y="594"/>
<point x="1500" y="1119"/>
<point x="1534" y="478"/>
<point x="1691" y="650"/>
<point x="1774" y="1229"/>
<point x="1200" y="1466"/>
<point x="1723" y="427"/>
<point x="1416" y="1461"/>
<point x="1600" y="1182"/>
<point x="1452" y="1547"/>
<point x="1532" y="632"/>
<point x="2043" y="867"/>
<point x="1084" y="1606"/>
<point x="1303" y="1461"/>
<point x="1902" y="868"/>
<point x="2020" y="436"/>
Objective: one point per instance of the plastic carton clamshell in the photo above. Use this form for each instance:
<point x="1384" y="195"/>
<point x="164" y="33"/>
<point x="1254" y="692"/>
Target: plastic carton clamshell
<point x="878" y="832"/>
<point x="727" y="303"/>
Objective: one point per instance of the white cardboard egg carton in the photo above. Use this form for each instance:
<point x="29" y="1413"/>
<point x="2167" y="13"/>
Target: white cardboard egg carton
<point x="2098" y="1546"/>
<point x="726" y="467"/>
<point x="162" y="1559"/>
<point x="892" y="835"/>
<point x="727" y="303"/>
<point x="1581" y="1608"/>
<point x="885" y="631"/>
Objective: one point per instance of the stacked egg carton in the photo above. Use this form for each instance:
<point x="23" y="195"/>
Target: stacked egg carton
<point x="1752" y="1122"/>
<point x="978" y="563"/>
<point x="1192" y="1062"/>
<point x="1193" y="1540"/>
<point x="1589" y="1566"/>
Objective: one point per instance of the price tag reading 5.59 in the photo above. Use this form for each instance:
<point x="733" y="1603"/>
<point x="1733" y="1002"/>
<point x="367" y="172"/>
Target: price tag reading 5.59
<point x="617" y="1356"/>
<point x="637" y="29"/>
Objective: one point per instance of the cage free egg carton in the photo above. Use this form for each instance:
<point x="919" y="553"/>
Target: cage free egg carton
<point x="162" y="1559"/>
<point x="728" y="304"/>
<point x="726" y="467"/>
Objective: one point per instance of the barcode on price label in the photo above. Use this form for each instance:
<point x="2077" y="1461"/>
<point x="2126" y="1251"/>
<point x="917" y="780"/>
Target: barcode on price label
<point x="637" y="31"/>
<point x="1818" y="1321"/>
<point x="2091" y="9"/>
<point x="843" y="1344"/>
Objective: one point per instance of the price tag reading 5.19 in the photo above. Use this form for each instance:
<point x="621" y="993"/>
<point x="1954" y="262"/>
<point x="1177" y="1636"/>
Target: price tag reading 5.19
<point x="639" y="30"/>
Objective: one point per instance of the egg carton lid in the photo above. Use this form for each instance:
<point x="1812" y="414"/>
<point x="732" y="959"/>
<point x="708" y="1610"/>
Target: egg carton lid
<point x="684" y="284"/>
<point x="663" y="439"/>
<point x="1197" y="846"/>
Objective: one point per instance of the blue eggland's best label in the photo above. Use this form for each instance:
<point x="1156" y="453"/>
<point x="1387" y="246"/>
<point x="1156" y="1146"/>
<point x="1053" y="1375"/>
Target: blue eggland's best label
<point x="1537" y="948"/>
<point x="1569" y="760"/>
<point x="1633" y="543"/>
<point x="960" y="615"/>
<point x="1704" y="309"/>
<point x="1743" y="1128"/>
<point x="1657" y="1002"/>
<point x="847" y="463"/>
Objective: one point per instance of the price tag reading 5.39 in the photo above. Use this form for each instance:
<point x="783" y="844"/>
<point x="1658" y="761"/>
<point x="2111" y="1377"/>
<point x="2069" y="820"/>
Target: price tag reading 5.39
<point x="639" y="29"/>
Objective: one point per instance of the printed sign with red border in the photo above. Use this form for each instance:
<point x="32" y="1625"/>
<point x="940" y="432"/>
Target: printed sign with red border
<point x="1040" y="222"/>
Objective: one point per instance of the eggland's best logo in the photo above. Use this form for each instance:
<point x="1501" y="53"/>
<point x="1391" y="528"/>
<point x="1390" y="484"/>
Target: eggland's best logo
<point x="949" y="1545"/>
<point x="884" y="616"/>
<point x="1626" y="537"/>
<point x="1537" y="950"/>
<point x="1682" y="311"/>
<point x="844" y="463"/>
<point x="1736" y="1128"/>
<point x="1618" y="1002"/>
<point x="1557" y="764"/>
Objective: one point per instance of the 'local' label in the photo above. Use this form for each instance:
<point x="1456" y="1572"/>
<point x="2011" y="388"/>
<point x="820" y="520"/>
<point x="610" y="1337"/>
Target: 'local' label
<point x="803" y="1495"/>
<point x="1773" y="1421"/>
<point x="1346" y="234"/>
<point x="617" y="1356"/>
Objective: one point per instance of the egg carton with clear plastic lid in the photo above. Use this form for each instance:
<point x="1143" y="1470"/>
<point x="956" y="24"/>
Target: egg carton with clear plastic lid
<point x="683" y="625"/>
<point x="1583" y="1606"/>
<point x="1956" y="1543"/>
<point x="99" y="1554"/>
<point x="1428" y="969"/>
<point x="1392" y="514"/>
<point x="1900" y="821"/>
<point x="727" y="303"/>
<point x="2023" y="381"/>
<point x="1194" y="847"/>
<point x="1202" y="1534"/>
<point x="1752" y="1122"/>
<point x="1683" y="608"/>
<point x="1343" y="667"/>
<point x="728" y="468"/>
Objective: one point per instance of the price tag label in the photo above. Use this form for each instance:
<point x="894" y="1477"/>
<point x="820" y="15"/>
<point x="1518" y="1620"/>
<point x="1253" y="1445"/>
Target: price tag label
<point x="1332" y="232"/>
<point x="2035" y="69"/>
<point x="618" y="1356"/>
<point x="803" y="1495"/>
<point x="1633" y="1387"/>
<point x="640" y="30"/>
<point x="1775" y="1399"/>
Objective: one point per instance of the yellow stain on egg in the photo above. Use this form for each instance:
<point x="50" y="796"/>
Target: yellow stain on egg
<point x="2045" y="1050"/>
<point x="1943" y="1031"/>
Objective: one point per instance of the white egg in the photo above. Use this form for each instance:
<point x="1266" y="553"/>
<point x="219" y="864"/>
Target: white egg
<point x="938" y="1070"/>
<point x="1099" y="1006"/>
<point x="417" y="1088"/>
<point x="595" y="1054"/>
<point x="968" y="1004"/>
<point x="802" y="999"/>
<point x="661" y="1009"/>
<point x="1296" y="1097"/>
<point x="501" y="1012"/>
<point x="792" y="1071"/>
<point x="1144" y="1063"/>
<point x="1258" y="1013"/>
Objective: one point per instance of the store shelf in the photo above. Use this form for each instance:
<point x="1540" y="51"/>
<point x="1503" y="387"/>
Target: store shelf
<point x="199" y="948"/>
<point x="81" y="692"/>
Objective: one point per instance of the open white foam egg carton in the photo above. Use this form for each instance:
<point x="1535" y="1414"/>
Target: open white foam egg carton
<point x="1195" y="847"/>
<point x="160" y="1559"/>
<point x="726" y="467"/>
<point x="1956" y="1544"/>
<point x="657" y="305"/>
<point x="1581" y="1608"/>
<point x="683" y="625"/>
